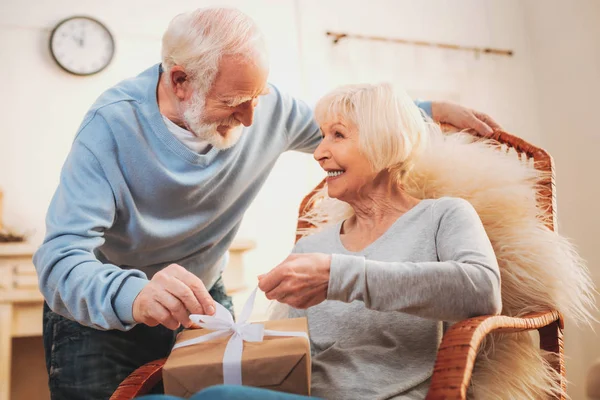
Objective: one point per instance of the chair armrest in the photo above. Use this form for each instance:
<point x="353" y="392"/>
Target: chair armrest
<point x="458" y="350"/>
<point x="141" y="381"/>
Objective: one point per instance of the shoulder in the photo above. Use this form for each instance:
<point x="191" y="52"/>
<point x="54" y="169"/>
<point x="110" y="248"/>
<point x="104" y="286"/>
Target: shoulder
<point x="277" y="96"/>
<point x="273" y="101"/>
<point x="128" y="93"/>
<point x="448" y="204"/>
<point x="280" y="104"/>
<point x="454" y="210"/>
<point x="95" y="133"/>
<point x="319" y="240"/>
<point x="138" y="89"/>
<point x="117" y="110"/>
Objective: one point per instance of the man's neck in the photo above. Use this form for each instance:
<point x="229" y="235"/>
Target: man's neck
<point x="167" y="102"/>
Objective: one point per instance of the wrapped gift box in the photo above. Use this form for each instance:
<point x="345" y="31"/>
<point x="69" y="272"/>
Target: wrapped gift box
<point x="279" y="363"/>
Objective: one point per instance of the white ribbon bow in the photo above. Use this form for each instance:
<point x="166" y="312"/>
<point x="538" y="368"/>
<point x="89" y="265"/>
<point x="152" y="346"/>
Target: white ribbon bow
<point x="223" y="325"/>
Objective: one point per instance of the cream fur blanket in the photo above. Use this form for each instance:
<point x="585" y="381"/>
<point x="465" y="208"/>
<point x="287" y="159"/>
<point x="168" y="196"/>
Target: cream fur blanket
<point x="539" y="268"/>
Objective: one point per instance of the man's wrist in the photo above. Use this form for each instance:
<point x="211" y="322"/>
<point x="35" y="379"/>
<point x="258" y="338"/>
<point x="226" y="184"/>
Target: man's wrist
<point x="426" y="106"/>
<point x="437" y="111"/>
<point x="125" y="297"/>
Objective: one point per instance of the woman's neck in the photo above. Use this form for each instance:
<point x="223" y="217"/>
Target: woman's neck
<point x="378" y="209"/>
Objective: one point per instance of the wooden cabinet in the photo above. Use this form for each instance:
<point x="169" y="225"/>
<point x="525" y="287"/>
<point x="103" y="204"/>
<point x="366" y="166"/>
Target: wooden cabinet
<point x="233" y="276"/>
<point x="20" y="309"/>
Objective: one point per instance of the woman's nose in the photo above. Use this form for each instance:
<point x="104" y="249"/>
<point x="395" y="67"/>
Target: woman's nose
<point x="321" y="152"/>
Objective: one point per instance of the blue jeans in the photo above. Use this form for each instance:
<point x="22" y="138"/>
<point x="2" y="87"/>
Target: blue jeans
<point x="230" y="392"/>
<point x="89" y="364"/>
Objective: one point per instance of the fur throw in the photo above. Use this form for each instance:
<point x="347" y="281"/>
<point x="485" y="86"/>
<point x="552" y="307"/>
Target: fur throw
<point x="540" y="269"/>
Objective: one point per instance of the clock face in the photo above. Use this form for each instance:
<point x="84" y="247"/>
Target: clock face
<point x="82" y="45"/>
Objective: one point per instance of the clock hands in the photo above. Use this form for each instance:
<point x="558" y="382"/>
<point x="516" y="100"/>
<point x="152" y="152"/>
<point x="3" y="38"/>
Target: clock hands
<point x="80" y="39"/>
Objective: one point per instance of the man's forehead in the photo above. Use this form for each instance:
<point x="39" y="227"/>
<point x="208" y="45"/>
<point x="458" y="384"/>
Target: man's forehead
<point x="243" y="92"/>
<point x="237" y="77"/>
<point x="236" y="89"/>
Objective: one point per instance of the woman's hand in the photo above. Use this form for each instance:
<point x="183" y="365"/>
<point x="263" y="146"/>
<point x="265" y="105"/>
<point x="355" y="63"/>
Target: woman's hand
<point x="301" y="280"/>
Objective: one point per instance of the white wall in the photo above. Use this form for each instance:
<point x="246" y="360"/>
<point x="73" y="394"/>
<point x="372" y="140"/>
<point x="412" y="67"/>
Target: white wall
<point x="530" y="93"/>
<point x="565" y="43"/>
<point x="499" y="85"/>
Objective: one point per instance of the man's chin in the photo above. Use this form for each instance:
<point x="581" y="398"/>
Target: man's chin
<point x="220" y="136"/>
<point x="225" y="138"/>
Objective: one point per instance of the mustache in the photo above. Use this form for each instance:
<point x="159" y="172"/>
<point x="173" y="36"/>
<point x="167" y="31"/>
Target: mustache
<point x="231" y="122"/>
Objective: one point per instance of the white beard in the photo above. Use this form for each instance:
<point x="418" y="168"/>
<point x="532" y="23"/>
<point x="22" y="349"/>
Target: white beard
<point x="192" y="112"/>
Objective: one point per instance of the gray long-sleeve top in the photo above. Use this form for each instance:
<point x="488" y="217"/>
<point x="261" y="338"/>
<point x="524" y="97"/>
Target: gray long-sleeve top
<point x="376" y="336"/>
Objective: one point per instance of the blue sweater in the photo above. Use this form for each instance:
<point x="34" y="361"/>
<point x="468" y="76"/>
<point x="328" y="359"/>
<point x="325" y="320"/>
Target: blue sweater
<point x="132" y="199"/>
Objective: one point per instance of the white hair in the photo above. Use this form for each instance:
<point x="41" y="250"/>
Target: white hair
<point x="392" y="130"/>
<point x="197" y="41"/>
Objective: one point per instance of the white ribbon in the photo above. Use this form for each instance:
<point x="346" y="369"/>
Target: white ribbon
<point x="223" y="325"/>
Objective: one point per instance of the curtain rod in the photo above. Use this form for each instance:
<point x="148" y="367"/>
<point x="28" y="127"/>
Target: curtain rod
<point x="337" y="36"/>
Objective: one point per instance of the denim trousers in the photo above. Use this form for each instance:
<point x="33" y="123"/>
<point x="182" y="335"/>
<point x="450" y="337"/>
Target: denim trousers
<point x="89" y="364"/>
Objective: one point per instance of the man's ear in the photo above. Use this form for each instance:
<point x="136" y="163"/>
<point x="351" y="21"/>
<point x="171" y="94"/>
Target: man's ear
<point x="179" y="82"/>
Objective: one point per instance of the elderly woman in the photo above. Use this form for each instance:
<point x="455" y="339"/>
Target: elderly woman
<point x="378" y="286"/>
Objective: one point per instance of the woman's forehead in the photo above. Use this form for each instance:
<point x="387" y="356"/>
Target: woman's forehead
<point x="335" y="120"/>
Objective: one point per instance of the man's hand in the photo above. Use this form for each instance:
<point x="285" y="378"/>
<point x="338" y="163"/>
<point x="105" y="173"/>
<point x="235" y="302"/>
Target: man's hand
<point x="171" y="296"/>
<point x="301" y="280"/>
<point x="463" y="118"/>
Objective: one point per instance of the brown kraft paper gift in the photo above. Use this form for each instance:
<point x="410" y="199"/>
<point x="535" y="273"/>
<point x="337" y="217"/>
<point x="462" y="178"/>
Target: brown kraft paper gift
<point x="278" y="362"/>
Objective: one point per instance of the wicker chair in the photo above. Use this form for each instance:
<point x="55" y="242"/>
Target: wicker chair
<point x="458" y="350"/>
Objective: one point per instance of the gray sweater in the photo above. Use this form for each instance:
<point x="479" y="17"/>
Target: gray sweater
<point x="377" y="334"/>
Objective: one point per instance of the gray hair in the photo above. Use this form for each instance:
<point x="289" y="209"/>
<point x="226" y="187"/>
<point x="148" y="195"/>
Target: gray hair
<point x="197" y="41"/>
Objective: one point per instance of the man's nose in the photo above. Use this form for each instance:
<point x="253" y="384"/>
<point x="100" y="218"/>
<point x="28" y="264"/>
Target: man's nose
<point x="245" y="113"/>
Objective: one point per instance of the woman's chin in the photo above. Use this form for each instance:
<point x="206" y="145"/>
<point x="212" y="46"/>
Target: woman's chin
<point x="334" y="194"/>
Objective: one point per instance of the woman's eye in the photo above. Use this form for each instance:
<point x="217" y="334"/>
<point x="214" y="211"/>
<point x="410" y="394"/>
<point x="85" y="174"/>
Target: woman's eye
<point x="338" y="135"/>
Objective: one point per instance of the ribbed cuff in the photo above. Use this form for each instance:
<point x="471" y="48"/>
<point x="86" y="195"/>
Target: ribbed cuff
<point x="425" y="106"/>
<point x="123" y="301"/>
<point x="346" y="278"/>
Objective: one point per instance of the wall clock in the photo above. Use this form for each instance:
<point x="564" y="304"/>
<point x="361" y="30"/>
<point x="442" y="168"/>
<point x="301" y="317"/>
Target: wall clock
<point x="82" y="45"/>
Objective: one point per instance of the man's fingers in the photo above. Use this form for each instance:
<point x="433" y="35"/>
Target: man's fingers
<point x="163" y="316"/>
<point x="196" y="285"/>
<point x="488" y="120"/>
<point x="202" y="295"/>
<point x="174" y="307"/>
<point x="481" y="127"/>
<point x="185" y="294"/>
<point x="151" y="322"/>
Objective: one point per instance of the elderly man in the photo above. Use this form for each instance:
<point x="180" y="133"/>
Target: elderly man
<point x="152" y="193"/>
